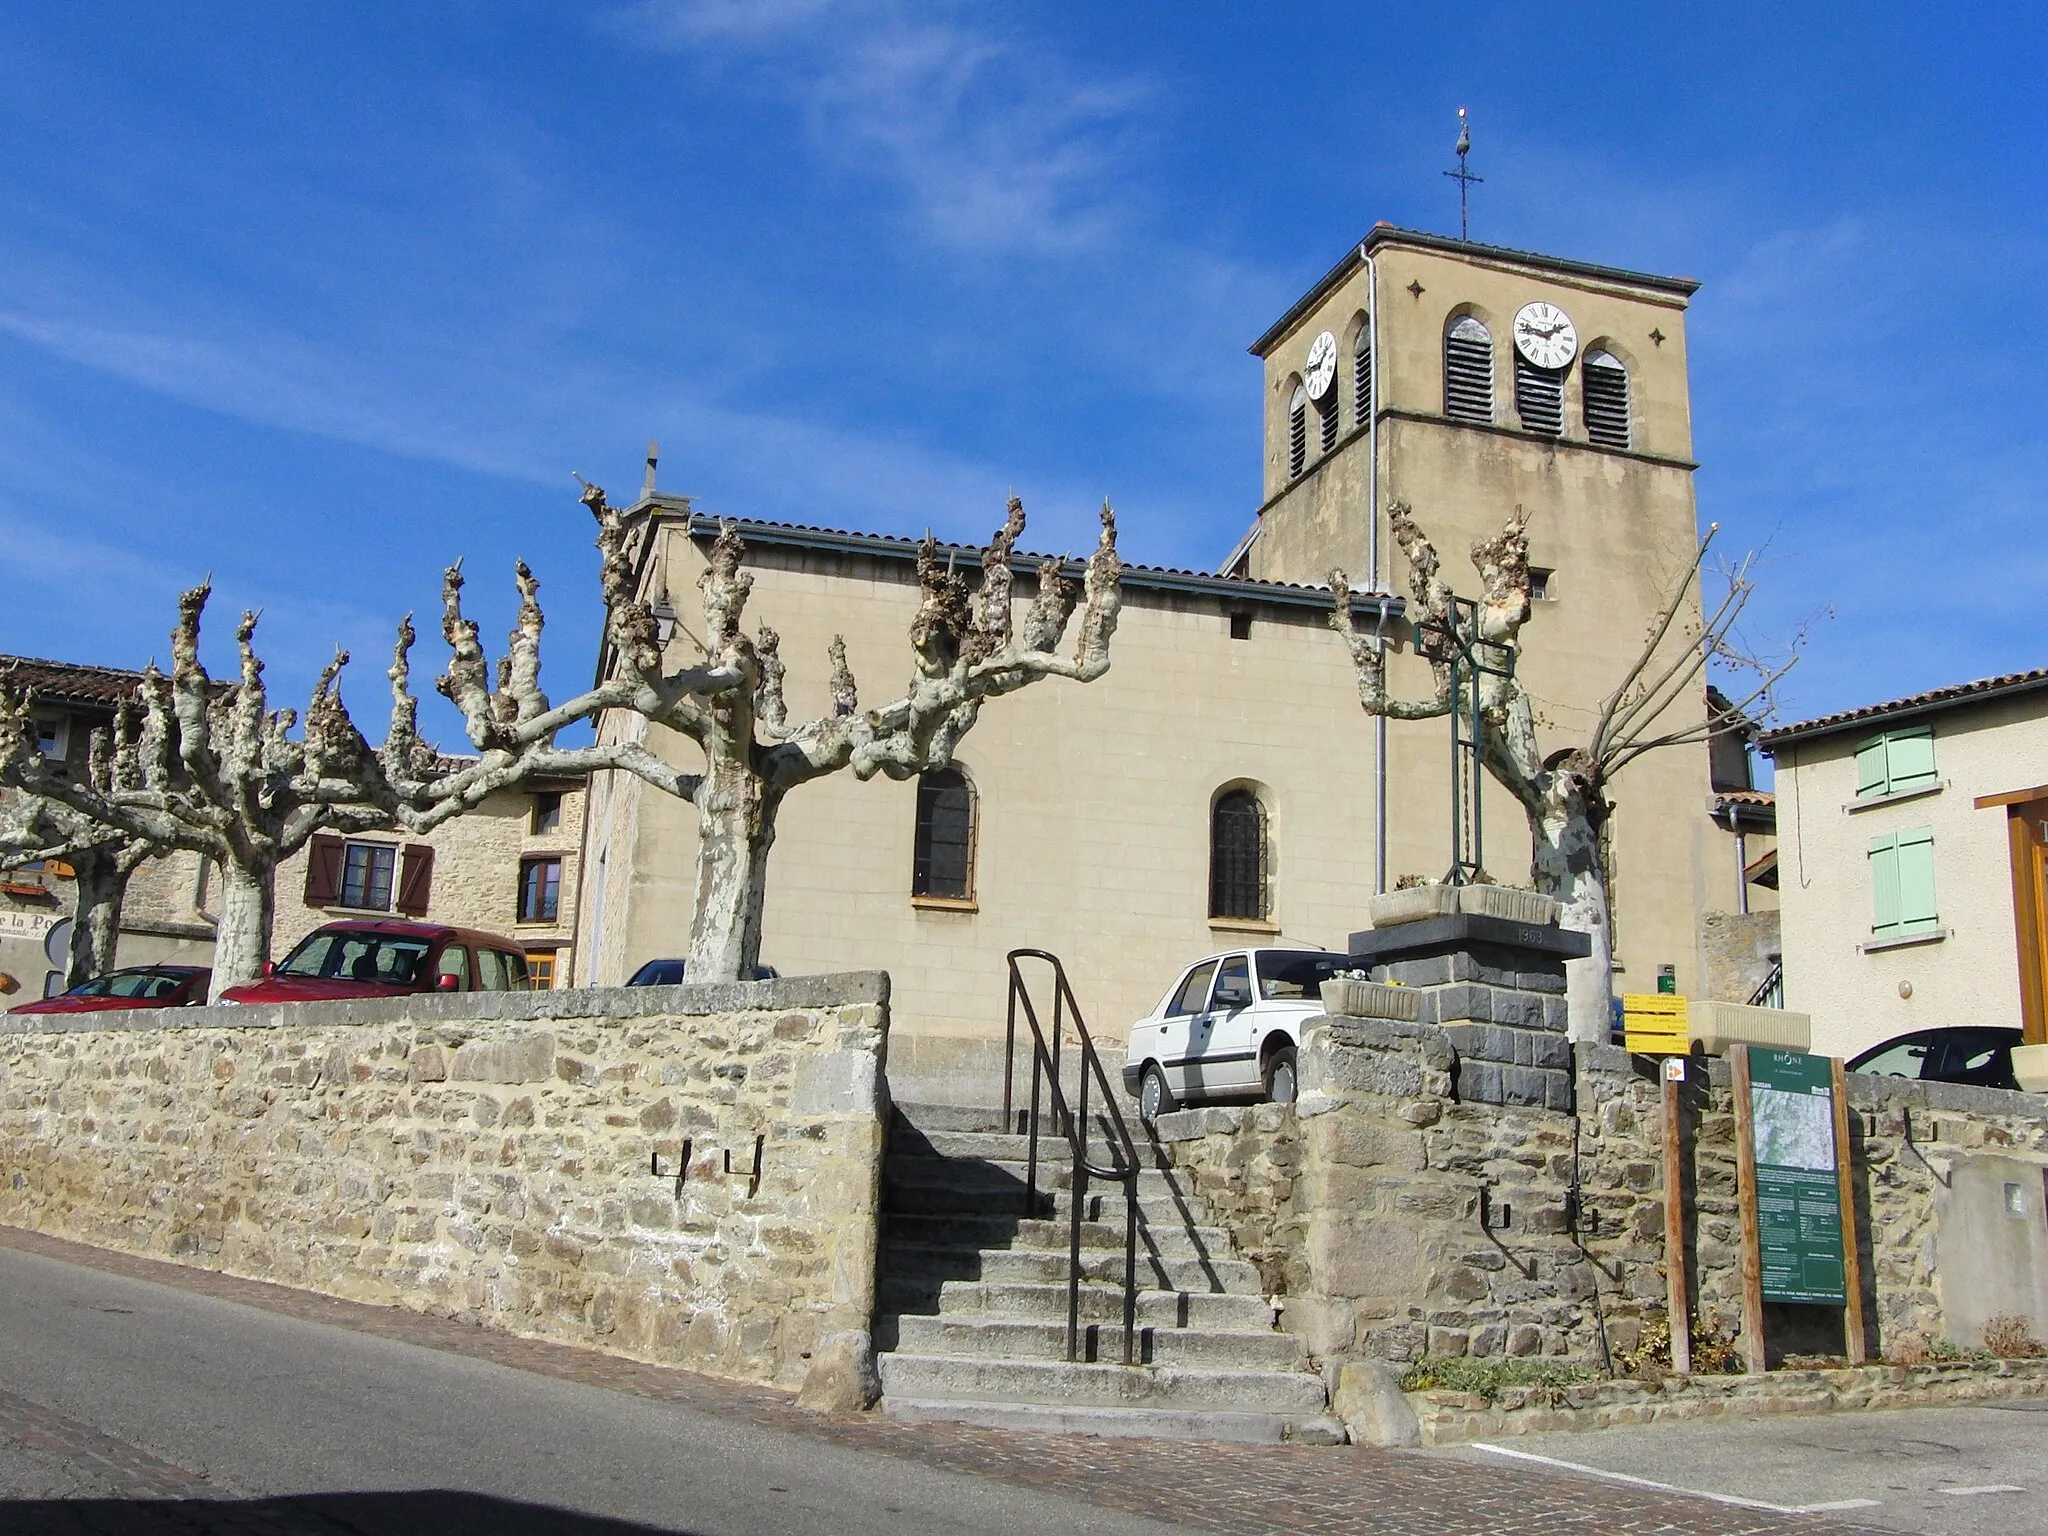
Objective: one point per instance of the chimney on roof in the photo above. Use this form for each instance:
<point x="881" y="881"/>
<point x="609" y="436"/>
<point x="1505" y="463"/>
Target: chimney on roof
<point x="653" y="458"/>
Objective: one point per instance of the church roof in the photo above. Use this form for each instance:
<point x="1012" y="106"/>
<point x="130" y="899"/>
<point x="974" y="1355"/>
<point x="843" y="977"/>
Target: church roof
<point x="1389" y="234"/>
<point x="1158" y="578"/>
<point x="1912" y="707"/>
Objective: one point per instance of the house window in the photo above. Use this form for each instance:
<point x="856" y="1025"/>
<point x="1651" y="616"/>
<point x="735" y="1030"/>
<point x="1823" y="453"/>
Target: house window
<point x="1895" y="762"/>
<point x="1361" y="374"/>
<point x="1237" y="856"/>
<point x="1542" y="584"/>
<point x="1468" y="372"/>
<point x="366" y="874"/>
<point x="540" y="888"/>
<point x="943" y="865"/>
<point x="1539" y="397"/>
<point x="1605" y="383"/>
<point x="540" y="969"/>
<point x="547" y="813"/>
<point x="1240" y="626"/>
<point x="1297" y="432"/>
<point x="1902" y="884"/>
<point x="53" y="736"/>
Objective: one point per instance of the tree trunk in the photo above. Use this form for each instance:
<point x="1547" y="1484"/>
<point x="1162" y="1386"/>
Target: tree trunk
<point x="1568" y="866"/>
<point x="96" y="926"/>
<point x="241" y="939"/>
<point x="735" y="829"/>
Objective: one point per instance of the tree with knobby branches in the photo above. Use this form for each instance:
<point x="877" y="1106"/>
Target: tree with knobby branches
<point x="101" y="860"/>
<point x="1658" y="702"/>
<point x="965" y="647"/>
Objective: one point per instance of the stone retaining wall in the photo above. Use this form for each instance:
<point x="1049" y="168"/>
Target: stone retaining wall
<point x="687" y="1175"/>
<point x="1395" y="1219"/>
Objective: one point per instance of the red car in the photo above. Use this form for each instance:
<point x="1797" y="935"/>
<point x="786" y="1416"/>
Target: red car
<point x="139" y="986"/>
<point x="373" y="957"/>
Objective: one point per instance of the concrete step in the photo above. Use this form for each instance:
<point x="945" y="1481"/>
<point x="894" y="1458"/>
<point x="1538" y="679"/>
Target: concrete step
<point x="1005" y="1173"/>
<point x="938" y="1378"/>
<point x="994" y="1148"/>
<point x="1048" y="1303"/>
<point x="916" y="1262"/>
<point x="960" y="1229"/>
<point x="930" y="1119"/>
<point x="1145" y="1423"/>
<point x="1012" y="1339"/>
<point x="1103" y="1202"/>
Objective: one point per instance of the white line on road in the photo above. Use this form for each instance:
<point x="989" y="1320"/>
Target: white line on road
<point x="1964" y="1493"/>
<point x="1697" y="1493"/>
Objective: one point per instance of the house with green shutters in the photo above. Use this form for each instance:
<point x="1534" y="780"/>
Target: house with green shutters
<point x="1913" y="862"/>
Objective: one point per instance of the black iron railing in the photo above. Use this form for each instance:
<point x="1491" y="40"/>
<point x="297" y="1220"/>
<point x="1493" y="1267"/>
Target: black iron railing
<point x="1772" y="993"/>
<point x="1071" y="1124"/>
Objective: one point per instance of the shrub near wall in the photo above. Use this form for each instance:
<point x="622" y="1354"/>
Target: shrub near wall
<point x="509" y="1159"/>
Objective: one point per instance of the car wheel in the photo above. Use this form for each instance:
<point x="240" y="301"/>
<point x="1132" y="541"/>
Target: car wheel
<point x="1154" y="1097"/>
<point x="1280" y="1075"/>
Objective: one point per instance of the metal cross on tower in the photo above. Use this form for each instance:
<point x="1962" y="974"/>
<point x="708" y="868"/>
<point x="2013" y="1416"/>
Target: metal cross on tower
<point x="1463" y="177"/>
<point x="1455" y="640"/>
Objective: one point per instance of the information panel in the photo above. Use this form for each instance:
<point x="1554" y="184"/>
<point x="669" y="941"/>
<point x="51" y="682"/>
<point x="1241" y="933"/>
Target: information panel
<point x="1798" y="1193"/>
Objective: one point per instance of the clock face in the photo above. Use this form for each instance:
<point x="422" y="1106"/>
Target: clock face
<point x="1544" y="335"/>
<point x="1322" y="366"/>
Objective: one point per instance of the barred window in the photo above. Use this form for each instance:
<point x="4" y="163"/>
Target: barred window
<point x="944" y="862"/>
<point x="1361" y="374"/>
<point x="1605" y="382"/>
<point x="1237" y="856"/>
<point x="1297" y="432"/>
<point x="1468" y="372"/>
<point x="1539" y="397"/>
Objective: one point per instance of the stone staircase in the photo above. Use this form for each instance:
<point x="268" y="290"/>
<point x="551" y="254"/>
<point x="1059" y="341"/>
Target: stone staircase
<point x="971" y="1306"/>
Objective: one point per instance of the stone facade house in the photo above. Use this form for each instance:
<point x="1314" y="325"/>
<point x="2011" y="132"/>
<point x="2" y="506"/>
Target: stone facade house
<point x="1914" y="863"/>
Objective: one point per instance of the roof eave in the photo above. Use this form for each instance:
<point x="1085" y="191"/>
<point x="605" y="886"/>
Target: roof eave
<point x="1904" y="710"/>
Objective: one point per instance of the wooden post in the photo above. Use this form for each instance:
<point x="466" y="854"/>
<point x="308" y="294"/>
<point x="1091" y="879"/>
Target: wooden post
<point x="1745" y="1199"/>
<point x="1852" y="1259"/>
<point x="1677" y="1308"/>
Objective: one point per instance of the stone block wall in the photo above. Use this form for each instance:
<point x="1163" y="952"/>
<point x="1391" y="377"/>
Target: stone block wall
<point x="1395" y="1217"/>
<point x="687" y="1175"/>
<point x="1504" y="1013"/>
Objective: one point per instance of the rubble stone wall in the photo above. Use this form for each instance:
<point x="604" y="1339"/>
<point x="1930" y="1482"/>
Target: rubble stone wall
<point x="687" y="1175"/>
<point x="1395" y="1220"/>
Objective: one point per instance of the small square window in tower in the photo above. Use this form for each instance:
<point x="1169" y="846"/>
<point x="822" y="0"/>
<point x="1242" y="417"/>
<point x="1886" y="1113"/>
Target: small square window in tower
<point x="1539" y="397"/>
<point x="1605" y="383"/>
<point x="1468" y="372"/>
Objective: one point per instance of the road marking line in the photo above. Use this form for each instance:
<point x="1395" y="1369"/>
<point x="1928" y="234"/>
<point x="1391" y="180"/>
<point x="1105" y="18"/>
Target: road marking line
<point x="1695" y="1493"/>
<point x="1964" y="1493"/>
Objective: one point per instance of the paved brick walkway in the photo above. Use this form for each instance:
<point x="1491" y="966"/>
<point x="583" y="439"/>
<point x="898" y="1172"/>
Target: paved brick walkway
<point x="1230" y="1488"/>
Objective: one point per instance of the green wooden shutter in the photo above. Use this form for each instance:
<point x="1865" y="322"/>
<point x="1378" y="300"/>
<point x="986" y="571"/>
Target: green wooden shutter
<point x="1870" y="774"/>
<point x="1884" y="885"/>
<point x="1915" y="864"/>
<point x="1909" y="758"/>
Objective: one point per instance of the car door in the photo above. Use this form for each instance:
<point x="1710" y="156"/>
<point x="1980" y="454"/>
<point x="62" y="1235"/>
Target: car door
<point x="1175" y="1039"/>
<point x="1229" y="1059"/>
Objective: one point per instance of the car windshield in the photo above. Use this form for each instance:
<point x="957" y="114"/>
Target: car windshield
<point x="658" y="973"/>
<point x="375" y="957"/>
<point x="141" y="984"/>
<point x="1297" y="975"/>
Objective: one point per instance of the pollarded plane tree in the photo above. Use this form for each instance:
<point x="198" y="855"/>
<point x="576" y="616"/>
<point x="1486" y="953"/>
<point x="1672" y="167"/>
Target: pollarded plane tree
<point x="101" y="860"/>
<point x="1657" y="703"/>
<point x="965" y="648"/>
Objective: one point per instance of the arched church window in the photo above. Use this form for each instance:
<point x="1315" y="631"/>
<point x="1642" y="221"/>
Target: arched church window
<point x="1237" y="856"/>
<point x="1297" y="432"/>
<point x="1361" y="373"/>
<point x="1468" y="371"/>
<point x="1605" y="382"/>
<point x="944" y="859"/>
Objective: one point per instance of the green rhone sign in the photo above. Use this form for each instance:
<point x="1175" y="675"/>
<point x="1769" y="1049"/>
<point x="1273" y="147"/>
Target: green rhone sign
<point x="1798" y="1196"/>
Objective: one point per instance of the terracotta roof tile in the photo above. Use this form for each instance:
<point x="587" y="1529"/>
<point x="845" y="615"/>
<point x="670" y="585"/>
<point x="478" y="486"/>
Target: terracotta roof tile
<point x="1914" y="704"/>
<point x="68" y="682"/>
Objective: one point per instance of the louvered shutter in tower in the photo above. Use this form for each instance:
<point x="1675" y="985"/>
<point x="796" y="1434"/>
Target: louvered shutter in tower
<point x="1604" y="381"/>
<point x="1468" y="372"/>
<point x="1361" y="375"/>
<point x="1539" y="397"/>
<point x="1297" y="432"/>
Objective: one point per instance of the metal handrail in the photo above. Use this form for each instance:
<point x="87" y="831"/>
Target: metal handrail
<point x="1772" y="993"/>
<point x="1045" y="1068"/>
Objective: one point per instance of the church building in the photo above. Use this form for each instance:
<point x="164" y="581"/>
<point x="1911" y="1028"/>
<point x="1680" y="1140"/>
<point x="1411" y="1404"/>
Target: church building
<point x="1221" y="786"/>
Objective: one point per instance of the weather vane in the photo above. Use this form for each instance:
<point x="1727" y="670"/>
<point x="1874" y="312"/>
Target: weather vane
<point x="1463" y="177"/>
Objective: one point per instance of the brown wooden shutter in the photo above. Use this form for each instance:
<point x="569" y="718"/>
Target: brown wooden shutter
<point x="323" y="870"/>
<point x="415" y="879"/>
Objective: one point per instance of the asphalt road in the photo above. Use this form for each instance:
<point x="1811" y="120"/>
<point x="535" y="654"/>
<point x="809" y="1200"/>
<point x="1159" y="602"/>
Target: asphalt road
<point x="115" y="1385"/>
<point x="1938" y="1471"/>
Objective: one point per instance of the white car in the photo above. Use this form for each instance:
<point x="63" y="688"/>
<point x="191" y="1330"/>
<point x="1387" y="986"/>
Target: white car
<point x="1228" y="1028"/>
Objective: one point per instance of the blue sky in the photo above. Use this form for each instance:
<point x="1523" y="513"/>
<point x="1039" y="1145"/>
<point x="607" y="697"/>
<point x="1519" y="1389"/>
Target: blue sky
<point x="318" y="296"/>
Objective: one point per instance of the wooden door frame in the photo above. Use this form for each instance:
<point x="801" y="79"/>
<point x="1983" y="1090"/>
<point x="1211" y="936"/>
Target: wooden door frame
<point x="2026" y="828"/>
